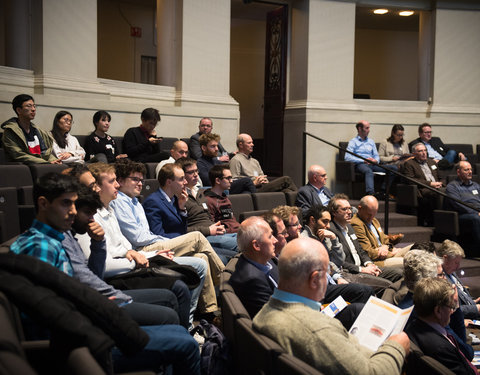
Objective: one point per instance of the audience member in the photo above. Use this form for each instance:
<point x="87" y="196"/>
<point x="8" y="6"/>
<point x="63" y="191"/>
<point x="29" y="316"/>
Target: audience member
<point x="289" y="215"/>
<point x="357" y="266"/>
<point x="436" y="150"/>
<point x="22" y="140"/>
<point x="255" y="275"/>
<point x="55" y="197"/>
<point x="198" y="218"/>
<point x="292" y="318"/>
<point x="378" y="245"/>
<point x="468" y="191"/>
<point x="133" y="230"/>
<point x="83" y="175"/>
<point x="434" y="303"/>
<point x="244" y="165"/>
<point x="99" y="145"/>
<point x="145" y="306"/>
<point x="141" y="143"/>
<point x="179" y="150"/>
<point x="393" y="150"/>
<point x="279" y="231"/>
<point x="315" y="192"/>
<point x="219" y="206"/>
<point x="366" y="148"/>
<point x="209" y="146"/>
<point x="451" y="254"/>
<point x="65" y="146"/>
<point x="425" y="171"/>
<point x="205" y="127"/>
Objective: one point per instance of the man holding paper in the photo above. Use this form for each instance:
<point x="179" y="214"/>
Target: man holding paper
<point x="292" y="318"/>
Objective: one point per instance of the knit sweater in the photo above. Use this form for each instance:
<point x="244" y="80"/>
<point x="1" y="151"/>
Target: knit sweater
<point x="323" y="342"/>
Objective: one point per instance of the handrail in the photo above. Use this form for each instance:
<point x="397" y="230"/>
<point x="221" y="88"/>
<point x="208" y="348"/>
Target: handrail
<point x="387" y="170"/>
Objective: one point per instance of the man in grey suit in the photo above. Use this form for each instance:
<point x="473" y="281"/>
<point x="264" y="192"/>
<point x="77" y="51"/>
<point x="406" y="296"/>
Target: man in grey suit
<point x="357" y="266"/>
<point x="315" y="192"/>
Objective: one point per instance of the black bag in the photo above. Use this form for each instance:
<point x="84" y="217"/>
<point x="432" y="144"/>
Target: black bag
<point x="161" y="273"/>
<point x="215" y="358"/>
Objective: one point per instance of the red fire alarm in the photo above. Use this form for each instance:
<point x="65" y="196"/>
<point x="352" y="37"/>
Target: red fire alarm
<point x="136" y="32"/>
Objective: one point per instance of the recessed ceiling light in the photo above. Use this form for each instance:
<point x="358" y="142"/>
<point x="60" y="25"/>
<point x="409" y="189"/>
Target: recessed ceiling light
<point x="380" y="11"/>
<point x="405" y="13"/>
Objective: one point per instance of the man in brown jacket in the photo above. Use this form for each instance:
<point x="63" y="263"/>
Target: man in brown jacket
<point x="372" y="239"/>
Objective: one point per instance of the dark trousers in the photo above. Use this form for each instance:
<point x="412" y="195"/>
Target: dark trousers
<point x="284" y="183"/>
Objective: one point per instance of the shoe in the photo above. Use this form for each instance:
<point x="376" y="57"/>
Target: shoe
<point x="395" y="238"/>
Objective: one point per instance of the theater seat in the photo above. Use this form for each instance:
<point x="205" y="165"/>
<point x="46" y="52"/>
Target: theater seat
<point x="18" y="176"/>
<point x="289" y="365"/>
<point x="241" y="203"/>
<point x="39" y="170"/>
<point x="267" y="201"/>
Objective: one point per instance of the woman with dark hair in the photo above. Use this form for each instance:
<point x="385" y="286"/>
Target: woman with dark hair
<point x="394" y="150"/>
<point x="99" y="144"/>
<point x="65" y="146"/>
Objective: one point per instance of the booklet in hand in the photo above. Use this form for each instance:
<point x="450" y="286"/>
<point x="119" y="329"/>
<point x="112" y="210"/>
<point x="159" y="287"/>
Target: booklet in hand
<point x="377" y="321"/>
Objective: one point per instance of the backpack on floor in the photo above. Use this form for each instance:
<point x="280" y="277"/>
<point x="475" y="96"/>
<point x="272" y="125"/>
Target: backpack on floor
<point x="215" y="358"/>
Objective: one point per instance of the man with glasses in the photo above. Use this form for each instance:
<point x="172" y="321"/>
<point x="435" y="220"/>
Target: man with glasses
<point x="434" y="301"/>
<point x="198" y="218"/>
<point x="279" y="231"/>
<point x="219" y="206"/>
<point x="315" y="192"/>
<point x="436" y="149"/>
<point x="357" y="265"/>
<point x="289" y="215"/>
<point x="205" y="127"/>
<point x="22" y="140"/>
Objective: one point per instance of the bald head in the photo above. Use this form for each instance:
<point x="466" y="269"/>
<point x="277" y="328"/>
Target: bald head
<point x="245" y="143"/>
<point x="317" y="176"/>
<point x="464" y="171"/>
<point x="367" y="208"/>
<point x="179" y="150"/>
<point x="303" y="268"/>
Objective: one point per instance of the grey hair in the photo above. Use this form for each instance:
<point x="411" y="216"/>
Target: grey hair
<point x="451" y="249"/>
<point x="414" y="147"/>
<point x="248" y="233"/>
<point x="296" y="269"/>
<point x="417" y="265"/>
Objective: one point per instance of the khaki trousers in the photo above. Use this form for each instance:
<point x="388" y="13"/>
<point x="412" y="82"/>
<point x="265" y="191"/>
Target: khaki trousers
<point x="195" y="244"/>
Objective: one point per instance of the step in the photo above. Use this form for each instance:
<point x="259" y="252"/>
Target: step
<point x="397" y="220"/>
<point x="413" y="234"/>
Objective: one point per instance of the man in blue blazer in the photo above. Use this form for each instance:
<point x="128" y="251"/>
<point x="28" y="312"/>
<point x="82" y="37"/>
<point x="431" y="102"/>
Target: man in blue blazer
<point x="315" y="192"/>
<point x="166" y="208"/>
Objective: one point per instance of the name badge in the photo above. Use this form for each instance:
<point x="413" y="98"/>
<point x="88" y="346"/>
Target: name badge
<point x="433" y="167"/>
<point x="380" y="229"/>
<point x="475" y="192"/>
<point x="205" y="207"/>
<point x="353" y="236"/>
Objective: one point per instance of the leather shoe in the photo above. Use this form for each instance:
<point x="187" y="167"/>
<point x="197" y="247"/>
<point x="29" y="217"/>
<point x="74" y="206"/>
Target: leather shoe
<point x="395" y="238"/>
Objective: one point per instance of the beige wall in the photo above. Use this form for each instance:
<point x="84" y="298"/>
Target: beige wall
<point x="386" y="64"/>
<point x="247" y="73"/>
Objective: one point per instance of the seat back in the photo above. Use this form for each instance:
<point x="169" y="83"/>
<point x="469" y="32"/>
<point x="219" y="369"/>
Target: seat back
<point x="119" y="143"/>
<point x="151" y="170"/>
<point x="149" y="186"/>
<point x="290" y="197"/>
<point x="417" y="363"/>
<point x="241" y="203"/>
<point x="9" y="221"/>
<point x="341" y="153"/>
<point x="167" y="143"/>
<point x="39" y="170"/>
<point x="267" y="201"/>
<point x="18" y="176"/>
<point x="464" y="148"/>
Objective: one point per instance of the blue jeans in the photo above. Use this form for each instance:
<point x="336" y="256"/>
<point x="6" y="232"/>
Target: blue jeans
<point x="202" y="268"/>
<point x="168" y="345"/>
<point x="451" y="156"/>
<point x="367" y="170"/>
<point x="225" y="246"/>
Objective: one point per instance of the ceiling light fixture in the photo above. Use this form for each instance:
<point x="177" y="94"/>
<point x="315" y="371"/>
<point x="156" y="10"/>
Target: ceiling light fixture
<point x="405" y="13"/>
<point x="380" y="11"/>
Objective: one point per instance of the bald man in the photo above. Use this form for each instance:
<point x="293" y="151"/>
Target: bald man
<point x="179" y="150"/>
<point x="243" y="165"/>
<point x="315" y="192"/>
<point x="292" y="318"/>
<point x="372" y="239"/>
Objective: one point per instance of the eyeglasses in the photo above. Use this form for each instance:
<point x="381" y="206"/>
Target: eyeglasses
<point x="229" y="178"/>
<point x="427" y="132"/>
<point x="345" y="209"/>
<point x="137" y="180"/>
<point x="297" y="224"/>
<point x="68" y="121"/>
<point x="193" y="171"/>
